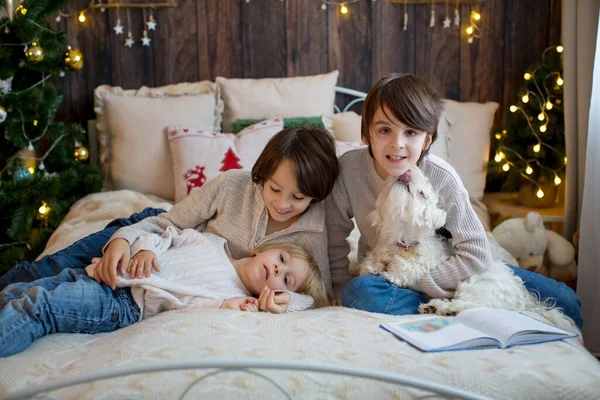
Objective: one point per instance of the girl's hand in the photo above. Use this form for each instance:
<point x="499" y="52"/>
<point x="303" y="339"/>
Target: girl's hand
<point x="275" y="301"/>
<point x="117" y="254"/>
<point x="143" y="261"/>
<point x="335" y="302"/>
<point x="241" y="304"/>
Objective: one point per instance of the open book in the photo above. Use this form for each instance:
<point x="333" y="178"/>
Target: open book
<point x="475" y="328"/>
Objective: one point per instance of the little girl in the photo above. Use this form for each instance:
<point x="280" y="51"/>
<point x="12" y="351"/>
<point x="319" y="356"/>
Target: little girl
<point x="399" y="123"/>
<point x="196" y="271"/>
<point x="279" y="201"/>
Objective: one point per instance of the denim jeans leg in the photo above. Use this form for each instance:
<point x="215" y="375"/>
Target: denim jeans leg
<point x="552" y="292"/>
<point x="76" y="256"/>
<point x="376" y="294"/>
<point x="67" y="302"/>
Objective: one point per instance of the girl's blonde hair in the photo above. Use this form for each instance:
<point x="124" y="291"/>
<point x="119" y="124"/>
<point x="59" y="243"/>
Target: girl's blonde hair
<point x="313" y="286"/>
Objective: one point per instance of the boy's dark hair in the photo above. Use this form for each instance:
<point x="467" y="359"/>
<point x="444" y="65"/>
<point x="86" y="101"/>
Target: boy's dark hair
<point x="312" y="150"/>
<point x="409" y="98"/>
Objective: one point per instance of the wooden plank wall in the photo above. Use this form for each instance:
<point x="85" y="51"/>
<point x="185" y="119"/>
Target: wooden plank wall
<point x="202" y="39"/>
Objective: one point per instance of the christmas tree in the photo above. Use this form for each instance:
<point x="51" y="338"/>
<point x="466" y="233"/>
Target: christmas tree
<point x="43" y="163"/>
<point x="530" y="146"/>
<point x="230" y="161"/>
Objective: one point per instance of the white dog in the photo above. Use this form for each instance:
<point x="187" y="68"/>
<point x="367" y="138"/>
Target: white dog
<point x="407" y="216"/>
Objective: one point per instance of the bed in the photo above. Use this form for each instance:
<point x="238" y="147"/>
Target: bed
<point x="328" y="353"/>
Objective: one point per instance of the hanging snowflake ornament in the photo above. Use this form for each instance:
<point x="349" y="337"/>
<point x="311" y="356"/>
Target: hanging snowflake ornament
<point x="118" y="28"/>
<point x="129" y="41"/>
<point x="6" y="85"/>
<point x="145" y="39"/>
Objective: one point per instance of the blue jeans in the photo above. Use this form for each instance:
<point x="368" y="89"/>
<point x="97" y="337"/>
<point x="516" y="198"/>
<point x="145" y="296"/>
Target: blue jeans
<point x="68" y="302"/>
<point x="77" y="256"/>
<point x="376" y="294"/>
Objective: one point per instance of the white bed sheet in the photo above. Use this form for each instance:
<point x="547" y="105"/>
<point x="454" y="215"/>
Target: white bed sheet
<point x="558" y="370"/>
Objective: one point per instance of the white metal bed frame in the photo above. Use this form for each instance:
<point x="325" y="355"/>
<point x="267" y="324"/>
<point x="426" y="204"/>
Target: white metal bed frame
<point x="248" y="366"/>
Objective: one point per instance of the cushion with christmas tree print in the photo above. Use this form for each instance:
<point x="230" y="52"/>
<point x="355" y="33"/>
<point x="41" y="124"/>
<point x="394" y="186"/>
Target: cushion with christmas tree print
<point x="199" y="154"/>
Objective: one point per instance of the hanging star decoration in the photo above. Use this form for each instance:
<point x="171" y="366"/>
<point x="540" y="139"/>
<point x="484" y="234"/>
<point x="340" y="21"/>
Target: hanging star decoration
<point x="447" y="23"/>
<point x="151" y="24"/>
<point x="118" y="28"/>
<point x="145" y="39"/>
<point x="129" y="41"/>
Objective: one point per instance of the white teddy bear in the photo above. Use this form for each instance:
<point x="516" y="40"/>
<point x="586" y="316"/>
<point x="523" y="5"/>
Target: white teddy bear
<point x="537" y="248"/>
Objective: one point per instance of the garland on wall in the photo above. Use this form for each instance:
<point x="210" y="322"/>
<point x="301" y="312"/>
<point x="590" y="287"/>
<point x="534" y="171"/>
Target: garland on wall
<point x="472" y="30"/>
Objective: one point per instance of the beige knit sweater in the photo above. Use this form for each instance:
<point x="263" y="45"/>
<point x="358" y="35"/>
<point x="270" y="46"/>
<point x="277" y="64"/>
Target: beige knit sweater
<point x="354" y="195"/>
<point x="232" y="206"/>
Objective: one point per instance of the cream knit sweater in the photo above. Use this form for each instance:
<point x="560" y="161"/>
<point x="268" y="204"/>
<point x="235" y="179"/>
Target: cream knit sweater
<point x="232" y="206"/>
<point x="354" y="195"/>
<point x="194" y="270"/>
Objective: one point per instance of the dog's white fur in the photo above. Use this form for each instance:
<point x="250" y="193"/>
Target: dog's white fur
<point x="409" y="214"/>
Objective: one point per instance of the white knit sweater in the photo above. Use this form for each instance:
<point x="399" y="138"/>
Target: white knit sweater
<point x="354" y="195"/>
<point x="194" y="270"/>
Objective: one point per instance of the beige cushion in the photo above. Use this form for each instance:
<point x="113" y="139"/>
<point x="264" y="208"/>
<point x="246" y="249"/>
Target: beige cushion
<point x="343" y="126"/>
<point x="464" y="141"/>
<point x="131" y="124"/>
<point x="286" y="97"/>
<point x="200" y="155"/>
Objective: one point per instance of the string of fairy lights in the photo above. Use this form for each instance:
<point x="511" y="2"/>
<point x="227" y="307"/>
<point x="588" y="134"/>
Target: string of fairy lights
<point x="543" y="100"/>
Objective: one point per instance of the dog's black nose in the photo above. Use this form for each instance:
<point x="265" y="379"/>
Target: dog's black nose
<point x="443" y="232"/>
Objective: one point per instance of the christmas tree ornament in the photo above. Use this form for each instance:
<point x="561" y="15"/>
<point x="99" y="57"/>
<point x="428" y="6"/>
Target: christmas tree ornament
<point x="80" y="153"/>
<point x="21" y="173"/>
<point x="35" y="53"/>
<point x="129" y="41"/>
<point x="432" y="18"/>
<point x="405" y="27"/>
<point x="151" y="23"/>
<point x="447" y="20"/>
<point x="456" y="15"/>
<point x="3" y="114"/>
<point x="6" y="85"/>
<point x="73" y="59"/>
<point x="10" y="9"/>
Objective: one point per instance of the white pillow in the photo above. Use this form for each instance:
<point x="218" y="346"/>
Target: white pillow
<point x="464" y="141"/>
<point x="342" y="147"/>
<point x="131" y="126"/>
<point x="343" y="126"/>
<point x="303" y="96"/>
<point x="200" y="155"/>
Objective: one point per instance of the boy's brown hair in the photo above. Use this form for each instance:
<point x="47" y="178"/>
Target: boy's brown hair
<point x="314" y="286"/>
<point x="410" y="100"/>
<point x="312" y="150"/>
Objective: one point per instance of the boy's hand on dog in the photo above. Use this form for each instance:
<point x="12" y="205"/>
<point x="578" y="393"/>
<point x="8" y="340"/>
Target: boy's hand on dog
<point x="275" y="301"/>
<point x="143" y="262"/>
<point x="117" y="254"/>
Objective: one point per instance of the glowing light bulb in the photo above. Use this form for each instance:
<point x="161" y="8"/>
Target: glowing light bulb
<point x="81" y="17"/>
<point x="559" y="81"/>
<point x="498" y="136"/>
<point x="525" y="98"/>
<point x="559" y="49"/>
<point x="513" y="108"/>
<point x="35" y="122"/>
<point x="541" y="116"/>
<point x="476" y="15"/>
<point x="506" y="167"/>
<point x="31" y="170"/>
<point x="565" y="160"/>
<point x="529" y="170"/>
<point x="537" y="148"/>
<point x="540" y="193"/>
<point x="43" y="210"/>
<point x="343" y="9"/>
<point x="527" y="76"/>
<point x="548" y="106"/>
<point x="504" y="131"/>
<point x="469" y="30"/>
<point x="543" y="128"/>
<point x="557" y="180"/>
<point x="498" y="157"/>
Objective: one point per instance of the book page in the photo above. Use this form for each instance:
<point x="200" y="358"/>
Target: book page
<point x="435" y="333"/>
<point x="504" y="324"/>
